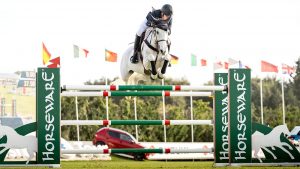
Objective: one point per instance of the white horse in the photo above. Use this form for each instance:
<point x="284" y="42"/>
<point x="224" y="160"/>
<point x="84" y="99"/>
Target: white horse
<point x="259" y="140"/>
<point x="156" y="58"/>
<point x="16" y="141"/>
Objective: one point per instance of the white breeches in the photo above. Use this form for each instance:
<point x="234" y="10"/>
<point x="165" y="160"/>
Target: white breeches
<point x="142" y="28"/>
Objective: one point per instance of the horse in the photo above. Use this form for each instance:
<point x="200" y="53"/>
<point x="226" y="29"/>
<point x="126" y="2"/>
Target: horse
<point x="156" y="57"/>
<point x="17" y="141"/>
<point x="259" y="140"/>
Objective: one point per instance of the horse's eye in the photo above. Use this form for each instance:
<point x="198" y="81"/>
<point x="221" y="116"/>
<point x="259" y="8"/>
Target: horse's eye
<point x="157" y="32"/>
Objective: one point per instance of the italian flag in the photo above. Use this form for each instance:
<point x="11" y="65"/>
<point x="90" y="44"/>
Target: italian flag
<point x="80" y="52"/>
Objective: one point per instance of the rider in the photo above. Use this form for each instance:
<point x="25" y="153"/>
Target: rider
<point x="155" y="17"/>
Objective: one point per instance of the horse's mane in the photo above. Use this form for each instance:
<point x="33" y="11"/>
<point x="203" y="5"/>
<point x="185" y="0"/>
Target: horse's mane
<point x="163" y="26"/>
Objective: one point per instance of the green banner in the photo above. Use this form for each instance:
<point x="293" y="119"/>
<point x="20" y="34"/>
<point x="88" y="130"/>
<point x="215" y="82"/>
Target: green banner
<point x="221" y="120"/>
<point x="240" y="116"/>
<point x="48" y="115"/>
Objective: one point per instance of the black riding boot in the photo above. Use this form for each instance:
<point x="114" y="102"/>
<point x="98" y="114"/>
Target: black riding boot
<point x="135" y="59"/>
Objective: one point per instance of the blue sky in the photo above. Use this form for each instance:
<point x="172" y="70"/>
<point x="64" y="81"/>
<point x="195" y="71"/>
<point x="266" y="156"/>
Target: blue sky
<point x="247" y="30"/>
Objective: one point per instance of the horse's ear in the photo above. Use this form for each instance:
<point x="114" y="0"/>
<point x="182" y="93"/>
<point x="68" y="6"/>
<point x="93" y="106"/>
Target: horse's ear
<point x="153" y="9"/>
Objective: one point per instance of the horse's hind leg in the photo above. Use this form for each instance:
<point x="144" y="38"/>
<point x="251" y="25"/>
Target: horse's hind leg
<point x="31" y="155"/>
<point x="256" y="156"/>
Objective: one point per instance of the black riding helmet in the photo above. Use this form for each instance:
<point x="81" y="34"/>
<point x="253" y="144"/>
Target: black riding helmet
<point x="167" y="10"/>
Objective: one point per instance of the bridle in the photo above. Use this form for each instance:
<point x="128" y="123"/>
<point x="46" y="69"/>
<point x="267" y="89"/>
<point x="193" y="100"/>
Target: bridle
<point x="156" y="40"/>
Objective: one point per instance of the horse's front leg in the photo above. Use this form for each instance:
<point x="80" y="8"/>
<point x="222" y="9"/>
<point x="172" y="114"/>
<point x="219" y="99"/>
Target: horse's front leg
<point x="163" y="70"/>
<point x="153" y="70"/>
<point x="151" y="57"/>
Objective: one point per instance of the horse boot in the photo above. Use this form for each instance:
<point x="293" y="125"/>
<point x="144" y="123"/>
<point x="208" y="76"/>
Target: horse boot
<point x="162" y="72"/>
<point x="135" y="58"/>
<point x="153" y="74"/>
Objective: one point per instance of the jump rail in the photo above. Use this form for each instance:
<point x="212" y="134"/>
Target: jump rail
<point x="142" y="87"/>
<point x="135" y="93"/>
<point x="136" y="122"/>
<point x="137" y="150"/>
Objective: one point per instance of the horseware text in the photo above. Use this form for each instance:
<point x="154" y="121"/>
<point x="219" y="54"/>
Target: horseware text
<point x="49" y="118"/>
<point x="224" y="154"/>
<point x="241" y="117"/>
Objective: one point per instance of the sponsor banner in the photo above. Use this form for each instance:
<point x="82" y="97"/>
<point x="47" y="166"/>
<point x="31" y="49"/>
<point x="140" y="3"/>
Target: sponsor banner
<point x="221" y="120"/>
<point x="26" y="83"/>
<point x="240" y="116"/>
<point x="27" y="74"/>
<point x="48" y="115"/>
<point x="27" y="79"/>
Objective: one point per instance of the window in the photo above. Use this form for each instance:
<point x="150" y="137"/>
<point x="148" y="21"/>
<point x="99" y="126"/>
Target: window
<point x="125" y="137"/>
<point x="114" y="134"/>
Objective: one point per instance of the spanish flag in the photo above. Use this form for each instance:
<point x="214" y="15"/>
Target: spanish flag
<point x="174" y="59"/>
<point x="110" y="56"/>
<point x="46" y="55"/>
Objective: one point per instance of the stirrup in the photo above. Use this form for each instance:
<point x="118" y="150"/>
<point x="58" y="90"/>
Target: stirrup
<point x="134" y="60"/>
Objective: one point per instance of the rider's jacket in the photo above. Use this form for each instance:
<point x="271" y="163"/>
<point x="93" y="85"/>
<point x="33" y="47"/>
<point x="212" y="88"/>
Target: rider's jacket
<point x="154" y="17"/>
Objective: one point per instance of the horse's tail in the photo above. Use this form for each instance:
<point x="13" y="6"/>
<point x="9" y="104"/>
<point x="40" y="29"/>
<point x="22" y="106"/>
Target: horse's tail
<point x="124" y="64"/>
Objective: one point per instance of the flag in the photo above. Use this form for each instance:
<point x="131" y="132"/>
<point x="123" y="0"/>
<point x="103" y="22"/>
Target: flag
<point x="247" y="67"/>
<point x="268" y="67"/>
<point x="241" y="65"/>
<point x="218" y="65"/>
<point x="55" y="63"/>
<point x="193" y="60"/>
<point x="79" y="52"/>
<point x="232" y="61"/>
<point x="286" y="69"/>
<point x="110" y="56"/>
<point x="174" y="59"/>
<point x="226" y="65"/>
<point x="46" y="55"/>
<point x="203" y="62"/>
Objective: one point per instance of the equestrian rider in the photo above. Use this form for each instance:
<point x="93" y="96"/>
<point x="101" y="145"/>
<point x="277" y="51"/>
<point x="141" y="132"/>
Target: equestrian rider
<point x="163" y="15"/>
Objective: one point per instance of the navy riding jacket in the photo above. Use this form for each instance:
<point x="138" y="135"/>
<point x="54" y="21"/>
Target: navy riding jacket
<point x="157" y="15"/>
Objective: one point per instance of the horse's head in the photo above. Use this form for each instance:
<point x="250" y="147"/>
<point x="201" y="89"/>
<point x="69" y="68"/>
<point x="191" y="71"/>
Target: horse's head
<point x="283" y="129"/>
<point x="161" y="32"/>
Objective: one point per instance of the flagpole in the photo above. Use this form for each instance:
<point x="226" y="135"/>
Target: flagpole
<point x="283" y="102"/>
<point x="261" y="103"/>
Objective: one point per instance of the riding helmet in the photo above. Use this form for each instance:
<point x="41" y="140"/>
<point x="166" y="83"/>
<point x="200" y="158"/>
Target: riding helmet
<point x="167" y="10"/>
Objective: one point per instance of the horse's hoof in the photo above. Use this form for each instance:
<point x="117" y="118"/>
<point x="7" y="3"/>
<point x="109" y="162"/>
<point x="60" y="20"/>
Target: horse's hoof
<point x="161" y="76"/>
<point x="153" y="77"/>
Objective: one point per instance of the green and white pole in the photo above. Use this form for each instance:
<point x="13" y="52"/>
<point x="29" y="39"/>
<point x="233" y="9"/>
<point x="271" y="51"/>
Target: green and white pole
<point x="141" y="87"/>
<point x="135" y="93"/>
<point x="136" y="122"/>
<point x="137" y="150"/>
